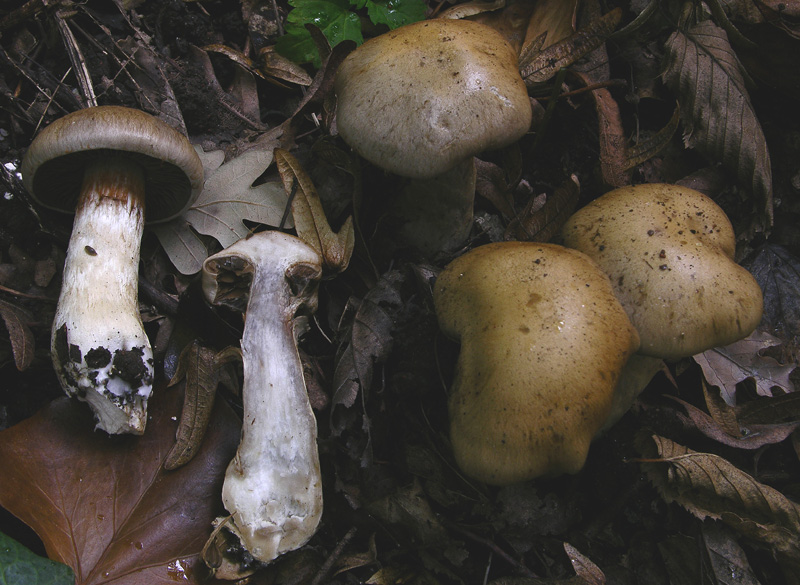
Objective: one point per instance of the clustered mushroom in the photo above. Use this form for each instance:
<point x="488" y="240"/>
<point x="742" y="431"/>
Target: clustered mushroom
<point x="543" y="341"/>
<point x="421" y="101"/>
<point x="669" y="251"/>
<point x="272" y="487"/>
<point x="103" y="163"/>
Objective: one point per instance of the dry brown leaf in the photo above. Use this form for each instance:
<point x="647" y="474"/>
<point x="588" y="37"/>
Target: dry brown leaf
<point x="727" y="559"/>
<point x="541" y="223"/>
<point x="546" y="63"/>
<point x="719" y="121"/>
<point x="725" y="367"/>
<point x="584" y="568"/>
<point x="201" y="367"/>
<point x="20" y="335"/>
<point x="709" y="486"/>
<point x="312" y="226"/>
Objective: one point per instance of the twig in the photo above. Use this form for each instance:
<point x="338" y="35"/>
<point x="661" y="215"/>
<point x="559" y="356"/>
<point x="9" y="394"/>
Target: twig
<point x="333" y="557"/>
<point x="77" y="60"/>
<point x="492" y="547"/>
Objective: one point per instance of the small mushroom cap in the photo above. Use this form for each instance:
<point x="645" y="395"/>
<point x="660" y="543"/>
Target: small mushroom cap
<point x="53" y="167"/>
<point x="543" y="341"/>
<point x="669" y="253"/>
<point x="417" y="100"/>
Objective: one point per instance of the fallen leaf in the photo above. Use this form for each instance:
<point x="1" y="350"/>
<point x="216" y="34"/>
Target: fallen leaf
<point x="542" y="223"/>
<point x="20" y="566"/>
<point x="709" y="486"/>
<point x="367" y="343"/>
<point x="312" y="226"/>
<point x="228" y="198"/>
<point x="724" y="367"/>
<point x="584" y="567"/>
<point x="202" y="369"/>
<point x="543" y="65"/>
<point x="777" y="272"/>
<point x="104" y="505"/>
<point x="22" y="344"/>
<point x="727" y="560"/>
<point x="719" y="121"/>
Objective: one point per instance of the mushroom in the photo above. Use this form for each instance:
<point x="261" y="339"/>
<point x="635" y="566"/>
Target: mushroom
<point x="669" y="251"/>
<point x="272" y="486"/>
<point x="102" y="163"/>
<point x="543" y="341"/>
<point x="421" y="101"/>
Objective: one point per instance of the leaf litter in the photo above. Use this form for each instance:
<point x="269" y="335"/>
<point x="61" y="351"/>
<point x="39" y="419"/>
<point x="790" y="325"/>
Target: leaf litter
<point x="403" y="512"/>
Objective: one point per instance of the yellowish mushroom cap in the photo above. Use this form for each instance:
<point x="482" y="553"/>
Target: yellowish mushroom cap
<point x="669" y="253"/>
<point x="543" y="341"/>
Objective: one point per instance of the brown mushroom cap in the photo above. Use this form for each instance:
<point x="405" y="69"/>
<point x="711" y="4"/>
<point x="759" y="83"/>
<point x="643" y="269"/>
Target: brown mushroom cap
<point x="417" y="100"/>
<point x="543" y="341"/>
<point x="53" y="167"/>
<point x="669" y="253"/>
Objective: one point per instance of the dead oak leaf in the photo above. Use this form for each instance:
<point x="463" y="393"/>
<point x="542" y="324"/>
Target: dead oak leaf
<point x="725" y="367"/>
<point x="104" y="505"/>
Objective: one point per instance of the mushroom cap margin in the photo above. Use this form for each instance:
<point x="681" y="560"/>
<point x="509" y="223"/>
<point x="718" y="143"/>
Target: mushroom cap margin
<point x="52" y="168"/>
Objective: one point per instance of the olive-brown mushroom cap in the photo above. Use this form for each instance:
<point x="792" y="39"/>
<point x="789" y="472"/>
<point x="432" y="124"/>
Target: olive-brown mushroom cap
<point x="53" y="167"/>
<point x="543" y="341"/>
<point x="417" y="100"/>
<point x="669" y="253"/>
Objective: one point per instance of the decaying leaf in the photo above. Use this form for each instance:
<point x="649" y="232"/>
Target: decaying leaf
<point x="543" y="65"/>
<point x="584" y="568"/>
<point x="709" y="486"/>
<point x="104" y="505"/>
<point x="541" y="223"/>
<point x="312" y="226"/>
<point x="367" y="343"/>
<point x="228" y="198"/>
<point x="201" y="367"/>
<point x="725" y="367"/>
<point x="471" y="8"/>
<point x="727" y="559"/>
<point x="777" y="272"/>
<point x="16" y="320"/>
<point x="719" y="121"/>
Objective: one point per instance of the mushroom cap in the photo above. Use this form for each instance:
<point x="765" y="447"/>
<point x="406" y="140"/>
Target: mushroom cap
<point x="53" y="166"/>
<point x="543" y="341"/>
<point x="669" y="253"/>
<point x="227" y="275"/>
<point x="419" y="99"/>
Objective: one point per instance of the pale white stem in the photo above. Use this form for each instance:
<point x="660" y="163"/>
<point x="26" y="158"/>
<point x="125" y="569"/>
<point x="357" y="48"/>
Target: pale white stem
<point x="273" y="486"/>
<point x="99" y="348"/>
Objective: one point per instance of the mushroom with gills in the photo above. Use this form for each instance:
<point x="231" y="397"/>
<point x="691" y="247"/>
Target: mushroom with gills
<point x="543" y="341"/>
<point x="103" y="163"/>
<point x="669" y="252"/>
<point x="272" y="487"/>
<point x="420" y="102"/>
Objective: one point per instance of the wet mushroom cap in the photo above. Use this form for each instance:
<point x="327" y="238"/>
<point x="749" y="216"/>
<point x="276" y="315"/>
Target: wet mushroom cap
<point x="418" y="100"/>
<point x="669" y="253"/>
<point x="53" y="168"/>
<point x="543" y="341"/>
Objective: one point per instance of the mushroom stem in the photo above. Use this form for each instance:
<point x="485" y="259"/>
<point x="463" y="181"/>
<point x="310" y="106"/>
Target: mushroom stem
<point x="273" y="486"/>
<point x="100" y="350"/>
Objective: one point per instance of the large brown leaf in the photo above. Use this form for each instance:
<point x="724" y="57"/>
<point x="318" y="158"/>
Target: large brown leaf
<point x="105" y="505"/>
<point x="719" y="120"/>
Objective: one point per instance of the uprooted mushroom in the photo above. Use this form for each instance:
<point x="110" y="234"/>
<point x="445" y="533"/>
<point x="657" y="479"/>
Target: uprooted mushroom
<point x="103" y="163"/>
<point x="272" y="487"/>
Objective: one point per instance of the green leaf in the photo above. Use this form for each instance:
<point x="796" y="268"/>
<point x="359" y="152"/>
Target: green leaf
<point x="332" y="17"/>
<point x="395" y="13"/>
<point x="19" y="566"/>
